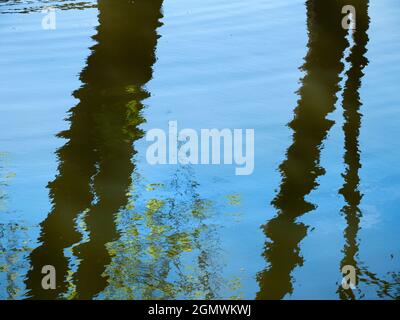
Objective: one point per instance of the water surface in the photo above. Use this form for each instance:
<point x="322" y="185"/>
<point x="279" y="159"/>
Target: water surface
<point x="76" y="191"/>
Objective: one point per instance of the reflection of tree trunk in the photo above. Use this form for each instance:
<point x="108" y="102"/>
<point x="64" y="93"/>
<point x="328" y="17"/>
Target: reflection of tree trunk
<point x="95" y="165"/>
<point x="351" y="128"/>
<point x="310" y="126"/>
<point x="70" y="193"/>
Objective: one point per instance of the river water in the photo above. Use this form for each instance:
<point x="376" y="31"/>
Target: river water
<point x="77" y="192"/>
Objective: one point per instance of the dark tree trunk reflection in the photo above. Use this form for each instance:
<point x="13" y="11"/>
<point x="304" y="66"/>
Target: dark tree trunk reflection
<point x="95" y="165"/>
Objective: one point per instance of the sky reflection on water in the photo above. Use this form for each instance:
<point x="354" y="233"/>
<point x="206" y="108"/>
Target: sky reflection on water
<point x="76" y="191"/>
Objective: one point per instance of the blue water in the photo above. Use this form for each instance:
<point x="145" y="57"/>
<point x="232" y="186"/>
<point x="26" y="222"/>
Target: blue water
<point x="218" y="64"/>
